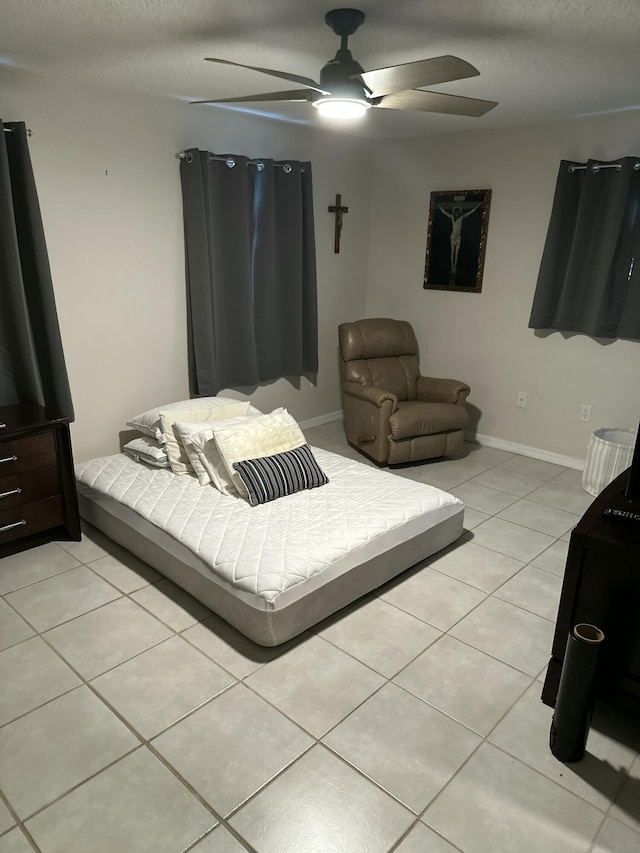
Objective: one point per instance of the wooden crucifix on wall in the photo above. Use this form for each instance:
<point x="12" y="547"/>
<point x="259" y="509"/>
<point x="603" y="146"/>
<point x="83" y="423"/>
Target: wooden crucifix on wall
<point x="338" y="210"/>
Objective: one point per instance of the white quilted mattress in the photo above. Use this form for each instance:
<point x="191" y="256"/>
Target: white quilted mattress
<point x="269" y="548"/>
<point x="286" y="548"/>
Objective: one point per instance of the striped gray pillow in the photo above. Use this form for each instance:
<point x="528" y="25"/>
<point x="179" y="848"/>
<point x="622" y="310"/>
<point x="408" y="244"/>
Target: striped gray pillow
<point x="271" y="477"/>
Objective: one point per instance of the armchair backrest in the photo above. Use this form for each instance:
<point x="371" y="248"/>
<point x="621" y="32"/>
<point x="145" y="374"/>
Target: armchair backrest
<point x="381" y="353"/>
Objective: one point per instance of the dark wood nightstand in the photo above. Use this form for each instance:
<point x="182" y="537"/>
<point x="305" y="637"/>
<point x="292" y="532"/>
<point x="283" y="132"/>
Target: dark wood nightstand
<point x="38" y="500"/>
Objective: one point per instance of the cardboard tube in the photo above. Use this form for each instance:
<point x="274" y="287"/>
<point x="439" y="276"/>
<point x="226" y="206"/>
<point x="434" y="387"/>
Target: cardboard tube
<point x="574" y="704"/>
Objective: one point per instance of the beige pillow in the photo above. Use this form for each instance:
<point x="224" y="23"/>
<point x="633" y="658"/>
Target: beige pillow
<point x="202" y="444"/>
<point x="176" y="452"/>
<point x="262" y="435"/>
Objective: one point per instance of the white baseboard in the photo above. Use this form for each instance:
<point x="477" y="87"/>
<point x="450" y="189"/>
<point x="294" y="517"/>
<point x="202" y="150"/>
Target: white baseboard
<point x="523" y="450"/>
<point x="321" y="419"/>
<point x="479" y="438"/>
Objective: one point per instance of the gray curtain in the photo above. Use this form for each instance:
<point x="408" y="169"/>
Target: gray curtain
<point x="251" y="271"/>
<point x="589" y="278"/>
<point x="32" y="366"/>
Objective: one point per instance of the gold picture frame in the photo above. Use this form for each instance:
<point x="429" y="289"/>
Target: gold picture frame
<point x="457" y="240"/>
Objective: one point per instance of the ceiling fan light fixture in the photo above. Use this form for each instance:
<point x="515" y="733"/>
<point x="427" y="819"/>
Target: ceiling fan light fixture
<point x="343" y="108"/>
<point x="346" y="91"/>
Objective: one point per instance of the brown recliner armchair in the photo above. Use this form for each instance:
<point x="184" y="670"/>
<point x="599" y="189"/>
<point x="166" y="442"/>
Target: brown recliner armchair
<point x="391" y="413"/>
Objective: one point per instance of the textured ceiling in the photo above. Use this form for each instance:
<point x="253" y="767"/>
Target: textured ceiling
<point x="540" y="59"/>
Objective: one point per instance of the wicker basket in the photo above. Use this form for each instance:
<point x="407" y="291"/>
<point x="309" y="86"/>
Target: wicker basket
<point x="609" y="453"/>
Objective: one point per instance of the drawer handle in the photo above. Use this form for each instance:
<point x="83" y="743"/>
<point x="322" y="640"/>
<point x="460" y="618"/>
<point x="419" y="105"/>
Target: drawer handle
<point x="11" y="526"/>
<point x="3" y="426"/>
<point x="12" y="492"/>
<point x="13" y="458"/>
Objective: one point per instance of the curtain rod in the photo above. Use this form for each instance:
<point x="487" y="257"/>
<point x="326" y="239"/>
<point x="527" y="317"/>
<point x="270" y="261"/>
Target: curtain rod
<point x="186" y="155"/>
<point x="10" y="130"/>
<point x="596" y="167"/>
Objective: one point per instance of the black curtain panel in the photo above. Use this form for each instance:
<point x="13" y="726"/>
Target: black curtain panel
<point x="32" y="365"/>
<point x="250" y="268"/>
<point x="589" y="279"/>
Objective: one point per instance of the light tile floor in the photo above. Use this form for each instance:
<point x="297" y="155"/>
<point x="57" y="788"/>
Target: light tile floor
<point x="132" y="719"/>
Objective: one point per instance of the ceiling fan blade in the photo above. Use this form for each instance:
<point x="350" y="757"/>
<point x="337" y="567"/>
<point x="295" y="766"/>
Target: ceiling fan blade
<point x="436" y="102"/>
<point x="413" y="75"/>
<point x="294" y="78"/>
<point x="291" y="95"/>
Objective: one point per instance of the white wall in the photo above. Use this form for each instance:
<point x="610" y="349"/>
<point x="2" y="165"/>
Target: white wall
<point x="109" y="189"/>
<point x="483" y="338"/>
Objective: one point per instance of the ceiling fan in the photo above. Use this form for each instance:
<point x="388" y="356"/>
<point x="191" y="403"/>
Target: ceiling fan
<point x="346" y="90"/>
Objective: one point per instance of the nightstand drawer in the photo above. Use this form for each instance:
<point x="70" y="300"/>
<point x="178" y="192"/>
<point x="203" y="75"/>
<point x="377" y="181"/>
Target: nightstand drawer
<point x="29" y="486"/>
<point x="38" y="499"/>
<point x="30" y="518"/>
<point x="23" y="454"/>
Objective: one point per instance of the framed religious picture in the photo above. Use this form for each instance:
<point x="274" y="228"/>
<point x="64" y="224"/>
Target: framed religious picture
<point x="457" y="240"/>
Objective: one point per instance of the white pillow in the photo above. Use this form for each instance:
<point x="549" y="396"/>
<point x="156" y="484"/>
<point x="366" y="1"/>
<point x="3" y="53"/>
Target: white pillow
<point x="178" y="457"/>
<point x="145" y="449"/>
<point x="203" y="445"/>
<point x="149" y="422"/>
<point x="186" y="432"/>
<point x="249" y="438"/>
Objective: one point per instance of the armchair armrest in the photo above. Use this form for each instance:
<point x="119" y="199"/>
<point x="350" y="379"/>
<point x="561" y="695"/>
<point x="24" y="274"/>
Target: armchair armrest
<point x="366" y="418"/>
<point x="431" y="390"/>
<point x="369" y="394"/>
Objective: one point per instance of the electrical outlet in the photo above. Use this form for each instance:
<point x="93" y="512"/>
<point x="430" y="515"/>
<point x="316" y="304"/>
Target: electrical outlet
<point x="585" y="413"/>
<point x="521" y="400"/>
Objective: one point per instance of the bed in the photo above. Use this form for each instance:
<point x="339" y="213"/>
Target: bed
<point x="273" y="570"/>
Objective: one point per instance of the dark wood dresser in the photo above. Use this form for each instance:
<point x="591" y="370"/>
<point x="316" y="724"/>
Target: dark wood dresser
<point x="602" y="587"/>
<point x="38" y="500"/>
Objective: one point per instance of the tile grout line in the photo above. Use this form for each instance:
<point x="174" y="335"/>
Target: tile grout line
<point x="18" y="824"/>
<point x="317" y="740"/>
<point x="33" y="583"/>
<point x="41" y="631"/>
<point x="408" y="832"/>
<point x="153" y="750"/>
<point x="320" y="741"/>
<point x="75" y="787"/>
<point x="23" y="829"/>
<point x="234" y="833"/>
<point x="42" y="635"/>
<point x="143" y="742"/>
<point x="485" y="738"/>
